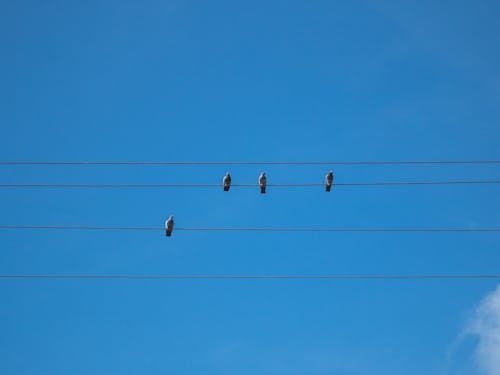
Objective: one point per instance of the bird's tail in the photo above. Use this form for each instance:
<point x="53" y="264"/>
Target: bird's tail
<point x="328" y="187"/>
<point x="226" y="188"/>
<point x="263" y="190"/>
<point x="168" y="233"/>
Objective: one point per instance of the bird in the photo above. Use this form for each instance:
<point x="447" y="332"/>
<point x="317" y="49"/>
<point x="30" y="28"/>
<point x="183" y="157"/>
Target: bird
<point x="169" y="226"/>
<point x="227" y="181"/>
<point x="263" y="182"/>
<point x="329" y="180"/>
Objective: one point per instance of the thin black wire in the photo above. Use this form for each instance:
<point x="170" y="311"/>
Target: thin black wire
<point x="299" y="277"/>
<point x="258" y="229"/>
<point x="250" y="162"/>
<point x="379" y="183"/>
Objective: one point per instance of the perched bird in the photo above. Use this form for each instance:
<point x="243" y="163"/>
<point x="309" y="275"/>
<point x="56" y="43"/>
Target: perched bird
<point x="227" y="181"/>
<point x="263" y="182"/>
<point x="169" y="226"/>
<point x="329" y="180"/>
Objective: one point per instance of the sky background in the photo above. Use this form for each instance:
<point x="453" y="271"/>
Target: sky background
<point x="261" y="80"/>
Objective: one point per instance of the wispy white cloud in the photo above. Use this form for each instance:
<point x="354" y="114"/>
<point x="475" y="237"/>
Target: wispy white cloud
<point x="485" y="325"/>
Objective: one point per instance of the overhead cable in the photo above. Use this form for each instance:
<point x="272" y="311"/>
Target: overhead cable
<point x="375" y="183"/>
<point x="252" y="229"/>
<point x="265" y="277"/>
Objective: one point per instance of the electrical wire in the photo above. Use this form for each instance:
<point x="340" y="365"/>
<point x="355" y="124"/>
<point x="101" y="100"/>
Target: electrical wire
<point x="379" y="183"/>
<point x="410" y="162"/>
<point x="261" y="229"/>
<point x="266" y="277"/>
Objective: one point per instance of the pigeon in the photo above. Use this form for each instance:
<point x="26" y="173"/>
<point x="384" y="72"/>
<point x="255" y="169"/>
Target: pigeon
<point x="262" y="182"/>
<point x="169" y="226"/>
<point x="227" y="181"/>
<point x="329" y="180"/>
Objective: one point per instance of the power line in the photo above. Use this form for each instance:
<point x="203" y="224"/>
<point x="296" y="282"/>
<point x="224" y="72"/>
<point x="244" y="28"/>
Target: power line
<point x="410" y="162"/>
<point x="403" y="230"/>
<point x="377" y="183"/>
<point x="385" y="183"/>
<point x="265" y="277"/>
<point x="251" y="229"/>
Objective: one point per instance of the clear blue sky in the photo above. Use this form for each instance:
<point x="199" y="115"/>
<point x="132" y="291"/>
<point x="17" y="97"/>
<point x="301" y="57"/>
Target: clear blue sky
<point x="260" y="80"/>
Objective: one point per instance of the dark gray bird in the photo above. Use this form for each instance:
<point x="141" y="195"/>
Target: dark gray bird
<point x="329" y="180"/>
<point x="169" y="226"/>
<point x="227" y="181"/>
<point x="263" y="182"/>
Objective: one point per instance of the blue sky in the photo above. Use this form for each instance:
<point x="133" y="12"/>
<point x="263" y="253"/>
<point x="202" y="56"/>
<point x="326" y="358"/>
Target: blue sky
<point x="225" y="80"/>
